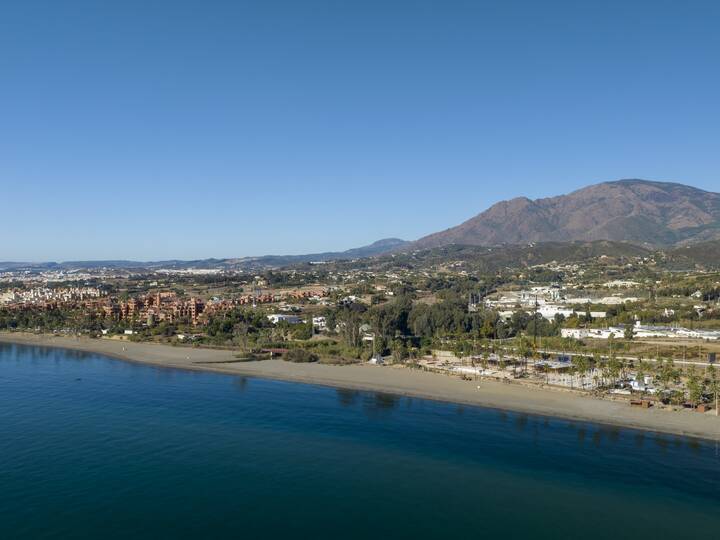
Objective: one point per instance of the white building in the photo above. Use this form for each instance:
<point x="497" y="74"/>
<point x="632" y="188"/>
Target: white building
<point x="290" y="319"/>
<point x="593" y="333"/>
<point x="640" y="331"/>
<point x="617" y="300"/>
<point x="575" y="333"/>
<point x="621" y="283"/>
<point x="320" y="323"/>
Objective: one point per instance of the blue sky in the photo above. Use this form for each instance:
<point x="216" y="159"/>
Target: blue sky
<point x="188" y="129"/>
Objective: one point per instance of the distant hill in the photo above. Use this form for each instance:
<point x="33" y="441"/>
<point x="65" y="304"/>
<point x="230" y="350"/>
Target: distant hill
<point x="636" y="211"/>
<point x="491" y="259"/>
<point x="376" y="248"/>
<point x="613" y="217"/>
<point x="266" y="261"/>
<point x="702" y="255"/>
<point x="483" y="259"/>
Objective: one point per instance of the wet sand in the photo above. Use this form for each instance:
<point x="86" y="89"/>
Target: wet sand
<point x="399" y="381"/>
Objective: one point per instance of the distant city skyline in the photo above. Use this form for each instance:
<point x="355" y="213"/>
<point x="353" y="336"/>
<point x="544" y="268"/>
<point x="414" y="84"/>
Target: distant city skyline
<point x="251" y="128"/>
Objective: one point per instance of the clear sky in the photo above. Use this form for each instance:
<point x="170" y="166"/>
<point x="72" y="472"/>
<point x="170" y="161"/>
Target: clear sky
<point x="188" y="129"/>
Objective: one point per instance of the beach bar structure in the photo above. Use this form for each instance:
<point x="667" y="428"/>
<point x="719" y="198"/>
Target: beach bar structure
<point x="561" y="365"/>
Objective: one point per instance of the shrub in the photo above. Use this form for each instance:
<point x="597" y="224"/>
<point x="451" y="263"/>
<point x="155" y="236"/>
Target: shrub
<point x="301" y="356"/>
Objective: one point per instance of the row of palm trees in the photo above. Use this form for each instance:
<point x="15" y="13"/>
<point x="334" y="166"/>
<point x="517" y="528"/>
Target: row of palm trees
<point x="608" y="371"/>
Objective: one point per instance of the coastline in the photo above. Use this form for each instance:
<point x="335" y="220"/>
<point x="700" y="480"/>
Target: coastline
<point x="399" y="381"/>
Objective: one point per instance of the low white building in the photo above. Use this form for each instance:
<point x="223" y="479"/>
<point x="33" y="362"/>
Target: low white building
<point x="640" y="331"/>
<point x="621" y="283"/>
<point x="617" y="300"/>
<point x="278" y="317"/>
<point x="549" y="312"/>
<point x="594" y="333"/>
<point x="506" y="315"/>
<point x="320" y="323"/>
<point x="575" y="333"/>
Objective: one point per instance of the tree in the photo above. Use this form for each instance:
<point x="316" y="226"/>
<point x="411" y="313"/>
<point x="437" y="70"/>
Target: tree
<point x="613" y="368"/>
<point x="597" y="362"/>
<point x="714" y="385"/>
<point x="695" y="386"/>
<point x="666" y="374"/>
<point x="581" y="367"/>
<point x="240" y="333"/>
<point x="629" y="332"/>
<point x="524" y="351"/>
<point x="399" y="351"/>
<point x="392" y="318"/>
<point x="303" y="331"/>
<point x="485" y="359"/>
<point x="349" y="323"/>
<point x="488" y="327"/>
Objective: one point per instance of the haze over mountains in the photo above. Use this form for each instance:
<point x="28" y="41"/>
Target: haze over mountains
<point x="376" y="248"/>
<point x="658" y="214"/>
<point x="653" y="215"/>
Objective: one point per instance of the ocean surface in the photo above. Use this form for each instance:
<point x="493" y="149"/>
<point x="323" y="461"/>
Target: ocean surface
<point x="92" y="447"/>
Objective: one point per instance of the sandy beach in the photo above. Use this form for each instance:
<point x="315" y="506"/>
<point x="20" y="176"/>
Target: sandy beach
<point x="399" y="381"/>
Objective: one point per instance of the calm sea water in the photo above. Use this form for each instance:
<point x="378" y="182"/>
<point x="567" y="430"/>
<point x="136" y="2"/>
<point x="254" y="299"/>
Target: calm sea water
<point x="92" y="447"/>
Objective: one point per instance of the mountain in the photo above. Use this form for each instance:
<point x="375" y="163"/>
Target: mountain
<point x="637" y="211"/>
<point x="275" y="261"/>
<point x="376" y="248"/>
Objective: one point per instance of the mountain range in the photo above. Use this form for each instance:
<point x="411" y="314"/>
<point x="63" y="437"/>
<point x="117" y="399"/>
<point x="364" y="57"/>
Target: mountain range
<point x="657" y="214"/>
<point x="643" y="213"/>
<point x="376" y="248"/>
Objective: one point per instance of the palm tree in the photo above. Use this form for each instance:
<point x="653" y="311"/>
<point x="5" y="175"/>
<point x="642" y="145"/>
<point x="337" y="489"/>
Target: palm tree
<point x="640" y="374"/>
<point x="597" y="361"/>
<point x="714" y="385"/>
<point x="614" y="368"/>
<point x="524" y="351"/>
<point x="581" y="365"/>
<point x="666" y="374"/>
<point x="572" y="371"/>
<point x="695" y="386"/>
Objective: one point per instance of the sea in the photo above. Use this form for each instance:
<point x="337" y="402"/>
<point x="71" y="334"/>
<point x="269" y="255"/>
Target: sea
<point x="93" y="447"/>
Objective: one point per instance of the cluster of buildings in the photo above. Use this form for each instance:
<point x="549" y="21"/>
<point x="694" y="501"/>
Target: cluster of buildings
<point x="319" y="322"/>
<point x="226" y="304"/>
<point x="151" y="308"/>
<point x="546" y="301"/>
<point x="167" y="306"/>
<point x="43" y="296"/>
<point x="154" y="308"/>
<point x="148" y="309"/>
<point x="641" y="331"/>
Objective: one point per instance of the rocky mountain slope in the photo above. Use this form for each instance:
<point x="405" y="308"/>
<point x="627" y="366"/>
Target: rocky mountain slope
<point x="636" y="211"/>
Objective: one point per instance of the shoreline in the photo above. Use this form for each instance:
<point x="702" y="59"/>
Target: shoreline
<point x="398" y="381"/>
